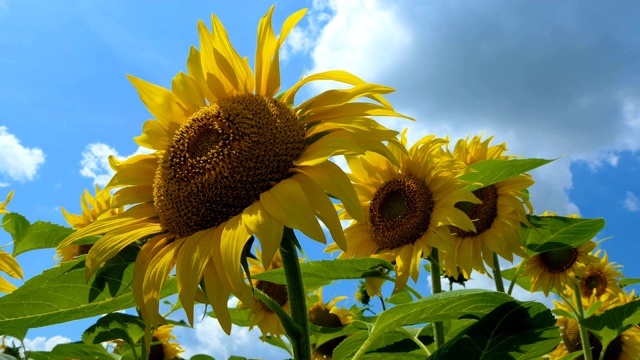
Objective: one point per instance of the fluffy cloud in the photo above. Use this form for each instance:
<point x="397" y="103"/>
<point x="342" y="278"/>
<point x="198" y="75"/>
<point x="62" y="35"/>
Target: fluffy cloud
<point x="95" y="162"/>
<point x="568" y="89"/>
<point x="43" y="344"/>
<point x="16" y="161"/>
<point x="207" y="337"/>
<point x="631" y="202"/>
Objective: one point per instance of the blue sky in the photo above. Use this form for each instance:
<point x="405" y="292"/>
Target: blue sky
<point x="552" y="81"/>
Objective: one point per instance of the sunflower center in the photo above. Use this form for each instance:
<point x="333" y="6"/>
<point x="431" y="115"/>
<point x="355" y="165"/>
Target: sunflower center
<point x="571" y="338"/>
<point x="557" y="261"/>
<point x="275" y="291"/>
<point x="483" y="214"/>
<point x="222" y="158"/>
<point x="400" y="212"/>
<point x="321" y="315"/>
<point x="593" y="280"/>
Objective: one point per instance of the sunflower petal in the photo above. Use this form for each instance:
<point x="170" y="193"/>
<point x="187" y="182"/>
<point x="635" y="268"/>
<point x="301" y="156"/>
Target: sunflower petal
<point x="188" y="91"/>
<point x="9" y="265"/>
<point x="162" y="103"/>
<point x="192" y="259"/>
<point x="156" y="275"/>
<point x="218" y="296"/>
<point x="5" y="286"/>
<point x="266" y="45"/>
<point x="287" y="203"/>
<point x="148" y="252"/>
<point x="267" y="229"/>
<point x="136" y="170"/>
<point x="233" y="238"/>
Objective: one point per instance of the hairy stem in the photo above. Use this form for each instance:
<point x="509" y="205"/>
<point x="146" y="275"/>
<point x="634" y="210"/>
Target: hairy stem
<point x="497" y="275"/>
<point x="297" y="299"/>
<point x="436" y="288"/>
<point x="584" y="335"/>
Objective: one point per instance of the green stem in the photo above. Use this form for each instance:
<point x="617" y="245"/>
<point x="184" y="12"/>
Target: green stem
<point x="297" y="296"/>
<point x="409" y="288"/>
<point x="497" y="275"/>
<point x="584" y="335"/>
<point x="515" y="276"/>
<point x="436" y="288"/>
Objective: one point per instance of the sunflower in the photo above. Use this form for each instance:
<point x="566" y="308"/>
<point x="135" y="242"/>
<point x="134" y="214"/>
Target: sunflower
<point x="409" y="208"/>
<point x="261" y="315"/>
<point x="498" y="218"/>
<point x="94" y="208"/>
<point x="165" y="349"/>
<point x="232" y="160"/>
<point x="600" y="278"/>
<point x="624" y="347"/>
<point x="330" y="316"/>
<point x="556" y="269"/>
<point x="8" y="264"/>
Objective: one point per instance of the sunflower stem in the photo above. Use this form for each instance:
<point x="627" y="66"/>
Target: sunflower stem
<point x="497" y="275"/>
<point x="515" y="276"/>
<point x="297" y="297"/>
<point x="584" y="335"/>
<point x="436" y="288"/>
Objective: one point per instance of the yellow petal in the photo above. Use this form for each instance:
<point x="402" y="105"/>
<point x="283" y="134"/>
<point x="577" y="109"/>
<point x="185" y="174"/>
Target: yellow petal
<point x="162" y="103"/>
<point x="9" y="265"/>
<point x="5" y="286"/>
<point x="148" y="252"/>
<point x="268" y="230"/>
<point x="218" y="84"/>
<point x="234" y="65"/>
<point x="233" y="238"/>
<point x="287" y="203"/>
<point x="156" y="275"/>
<point x="114" y="241"/>
<point x="333" y="180"/>
<point x="194" y="68"/>
<point x="133" y="195"/>
<point x="192" y="259"/>
<point x="218" y="296"/>
<point x="341" y="96"/>
<point x="136" y="170"/>
<point x="266" y="44"/>
<point x="323" y="208"/>
<point x="188" y="91"/>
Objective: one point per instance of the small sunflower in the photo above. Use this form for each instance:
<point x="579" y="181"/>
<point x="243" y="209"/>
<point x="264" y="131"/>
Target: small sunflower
<point x="624" y="347"/>
<point x="331" y="316"/>
<point x="94" y="208"/>
<point x="409" y="208"/>
<point x="600" y="278"/>
<point x="497" y="219"/>
<point x="262" y="315"/>
<point x="165" y="349"/>
<point x="8" y="264"/>
<point x="232" y="159"/>
<point x="556" y="269"/>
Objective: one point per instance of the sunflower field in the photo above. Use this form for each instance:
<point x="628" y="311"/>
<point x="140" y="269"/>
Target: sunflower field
<point x="241" y="175"/>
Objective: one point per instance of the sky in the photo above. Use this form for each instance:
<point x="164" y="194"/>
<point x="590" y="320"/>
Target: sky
<point x="555" y="80"/>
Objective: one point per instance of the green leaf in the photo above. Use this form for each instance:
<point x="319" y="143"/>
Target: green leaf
<point x="522" y="281"/>
<point x="240" y="317"/>
<point x="629" y="281"/>
<point x="493" y="171"/>
<point x="557" y="232"/>
<point x="395" y="344"/>
<point x="61" y="294"/>
<point x="278" y="342"/>
<point x="115" y="326"/>
<point x="401" y="297"/>
<point x="80" y="351"/>
<point x="467" y="304"/>
<point x="574" y="355"/>
<point x="513" y="330"/>
<point x="202" y="357"/>
<point x="316" y="274"/>
<point x="27" y="236"/>
<point x="612" y="322"/>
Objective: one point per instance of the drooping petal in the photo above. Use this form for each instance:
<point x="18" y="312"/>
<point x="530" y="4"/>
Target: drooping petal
<point x="268" y="230"/>
<point x="287" y="203"/>
<point x="218" y="296"/>
<point x="9" y="265"/>
<point x="233" y="238"/>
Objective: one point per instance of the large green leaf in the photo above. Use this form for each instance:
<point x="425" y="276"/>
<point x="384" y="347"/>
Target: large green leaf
<point x="73" y="351"/>
<point x="395" y="344"/>
<point x="513" y="330"/>
<point x="487" y="172"/>
<point x="463" y="304"/>
<point x="557" y="232"/>
<point x="61" y="294"/>
<point x="115" y="326"/>
<point x="27" y="236"/>
<point x="317" y="274"/>
<point x="629" y="281"/>
<point x="612" y="322"/>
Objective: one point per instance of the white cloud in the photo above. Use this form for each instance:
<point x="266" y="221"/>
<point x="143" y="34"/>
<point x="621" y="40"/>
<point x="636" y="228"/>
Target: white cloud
<point x="462" y="68"/>
<point x="207" y="337"/>
<point x="631" y="202"/>
<point x="95" y="162"/>
<point x="4" y="185"/>
<point x="43" y="344"/>
<point x="16" y="161"/>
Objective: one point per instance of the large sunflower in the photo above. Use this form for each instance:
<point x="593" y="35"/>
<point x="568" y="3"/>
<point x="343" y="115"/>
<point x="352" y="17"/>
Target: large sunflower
<point x="600" y="278"/>
<point x="498" y="219"/>
<point x="93" y="208"/>
<point x="409" y="208"/>
<point x="8" y="264"/>
<point x="231" y="160"/>
<point x="624" y="347"/>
